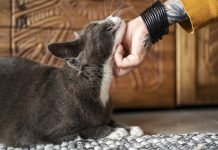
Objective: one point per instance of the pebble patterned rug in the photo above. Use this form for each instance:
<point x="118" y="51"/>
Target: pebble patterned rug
<point x="191" y="141"/>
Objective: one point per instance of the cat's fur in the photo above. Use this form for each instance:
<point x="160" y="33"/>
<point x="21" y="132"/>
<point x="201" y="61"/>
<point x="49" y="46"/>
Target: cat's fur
<point x="41" y="104"/>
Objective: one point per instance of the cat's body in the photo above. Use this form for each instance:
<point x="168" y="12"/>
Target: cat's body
<point x="40" y="104"/>
<point x="52" y="105"/>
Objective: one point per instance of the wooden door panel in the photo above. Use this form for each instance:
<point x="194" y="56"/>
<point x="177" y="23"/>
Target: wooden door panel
<point x="197" y="71"/>
<point x="208" y="56"/>
<point x="207" y="64"/>
<point x="35" y="24"/>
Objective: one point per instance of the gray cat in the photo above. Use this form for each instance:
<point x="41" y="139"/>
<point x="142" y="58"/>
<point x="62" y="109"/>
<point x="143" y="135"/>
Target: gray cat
<point x="44" y="104"/>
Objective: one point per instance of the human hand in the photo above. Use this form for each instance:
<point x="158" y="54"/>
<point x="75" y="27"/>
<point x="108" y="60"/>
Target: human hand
<point x="135" y="44"/>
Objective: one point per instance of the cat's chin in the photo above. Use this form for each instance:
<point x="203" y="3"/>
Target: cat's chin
<point x="119" y="35"/>
<point x="120" y="32"/>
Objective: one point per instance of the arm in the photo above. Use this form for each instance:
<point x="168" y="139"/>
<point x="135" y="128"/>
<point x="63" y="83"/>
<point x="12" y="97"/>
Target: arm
<point x="158" y="17"/>
<point x="200" y="13"/>
<point x="175" y="11"/>
<point x="190" y="14"/>
<point x="137" y="41"/>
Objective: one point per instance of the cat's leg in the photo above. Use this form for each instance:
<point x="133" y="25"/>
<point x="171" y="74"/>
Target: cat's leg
<point x="119" y="130"/>
<point x="133" y="130"/>
<point x="96" y="132"/>
<point x="113" y="131"/>
<point x="65" y="138"/>
<point x="116" y="124"/>
<point x="118" y="133"/>
<point x="104" y="131"/>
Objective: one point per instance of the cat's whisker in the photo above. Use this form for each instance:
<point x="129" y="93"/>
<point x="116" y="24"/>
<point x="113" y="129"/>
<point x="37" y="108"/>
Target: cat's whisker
<point x="123" y="11"/>
<point x="115" y="11"/>
<point x="120" y="10"/>
<point x="111" y="5"/>
<point x="105" y="9"/>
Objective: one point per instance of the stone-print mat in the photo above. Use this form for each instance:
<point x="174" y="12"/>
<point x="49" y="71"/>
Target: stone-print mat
<point x="189" y="141"/>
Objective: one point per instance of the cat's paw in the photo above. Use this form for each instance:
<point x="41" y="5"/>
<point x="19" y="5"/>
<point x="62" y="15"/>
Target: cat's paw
<point x="118" y="133"/>
<point x="136" y="131"/>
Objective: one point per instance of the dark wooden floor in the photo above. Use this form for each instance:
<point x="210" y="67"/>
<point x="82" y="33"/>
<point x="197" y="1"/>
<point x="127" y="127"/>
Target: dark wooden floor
<point x="176" y="121"/>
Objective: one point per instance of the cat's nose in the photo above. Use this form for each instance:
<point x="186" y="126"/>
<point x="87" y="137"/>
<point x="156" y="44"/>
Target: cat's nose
<point x="111" y="16"/>
<point x="115" y="19"/>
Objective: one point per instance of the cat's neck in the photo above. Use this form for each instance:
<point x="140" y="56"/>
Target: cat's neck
<point x="106" y="81"/>
<point x="90" y="72"/>
<point x="96" y="74"/>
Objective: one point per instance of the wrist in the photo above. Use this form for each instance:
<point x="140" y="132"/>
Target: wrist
<point x="140" y="29"/>
<point x="140" y="25"/>
<point x="147" y="39"/>
<point x="155" y="19"/>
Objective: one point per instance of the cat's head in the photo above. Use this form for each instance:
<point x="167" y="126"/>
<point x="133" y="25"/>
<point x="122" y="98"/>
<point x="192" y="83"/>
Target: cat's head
<point x="95" y="44"/>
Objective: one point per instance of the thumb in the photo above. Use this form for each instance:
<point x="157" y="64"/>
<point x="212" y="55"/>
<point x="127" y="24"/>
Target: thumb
<point x="119" y="53"/>
<point x="118" y="72"/>
<point x="132" y="60"/>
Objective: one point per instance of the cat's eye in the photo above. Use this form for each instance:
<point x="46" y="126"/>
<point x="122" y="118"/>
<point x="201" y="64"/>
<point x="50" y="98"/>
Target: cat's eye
<point x="109" y="29"/>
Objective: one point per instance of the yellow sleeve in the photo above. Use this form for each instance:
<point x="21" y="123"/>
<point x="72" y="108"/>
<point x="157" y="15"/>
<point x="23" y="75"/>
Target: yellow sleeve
<point x="200" y="13"/>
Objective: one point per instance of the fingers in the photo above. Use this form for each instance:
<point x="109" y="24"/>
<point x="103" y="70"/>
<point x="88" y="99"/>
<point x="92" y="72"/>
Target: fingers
<point x="118" y="57"/>
<point x="121" y="71"/>
<point x="131" y="60"/>
<point x="125" y="65"/>
<point x="119" y="53"/>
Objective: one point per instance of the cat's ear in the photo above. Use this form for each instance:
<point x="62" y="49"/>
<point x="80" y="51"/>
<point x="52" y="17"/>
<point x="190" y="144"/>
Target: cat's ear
<point x="66" y="50"/>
